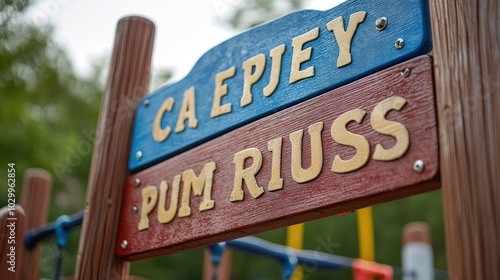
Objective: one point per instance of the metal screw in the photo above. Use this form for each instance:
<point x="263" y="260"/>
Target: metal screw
<point x="146" y="102"/>
<point x="137" y="182"/>
<point x="405" y="73"/>
<point x="135" y="209"/>
<point x="124" y="244"/>
<point x="138" y="155"/>
<point x="381" y="23"/>
<point x="418" y="166"/>
<point x="399" y="43"/>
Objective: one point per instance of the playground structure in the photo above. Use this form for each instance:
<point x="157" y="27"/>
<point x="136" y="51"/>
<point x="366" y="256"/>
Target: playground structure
<point x="465" y="70"/>
<point x="37" y="184"/>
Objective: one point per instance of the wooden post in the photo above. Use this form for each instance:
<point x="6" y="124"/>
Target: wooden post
<point x="12" y="229"/>
<point x="223" y="269"/>
<point x="466" y="37"/>
<point x="127" y="84"/>
<point x="417" y="256"/>
<point x="35" y="200"/>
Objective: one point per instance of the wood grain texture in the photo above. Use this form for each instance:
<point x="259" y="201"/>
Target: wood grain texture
<point x="127" y="83"/>
<point x="467" y="73"/>
<point x="371" y="51"/>
<point x="35" y="200"/>
<point x="328" y="194"/>
<point x="6" y="243"/>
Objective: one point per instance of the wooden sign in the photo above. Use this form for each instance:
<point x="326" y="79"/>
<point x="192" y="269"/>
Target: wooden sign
<point x="274" y="66"/>
<point x="370" y="141"/>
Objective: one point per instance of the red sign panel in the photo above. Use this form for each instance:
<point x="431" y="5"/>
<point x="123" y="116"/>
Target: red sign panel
<point x="371" y="141"/>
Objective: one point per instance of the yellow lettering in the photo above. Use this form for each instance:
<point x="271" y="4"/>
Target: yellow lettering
<point x="299" y="56"/>
<point x="187" y="112"/>
<point x="160" y="134"/>
<point x="299" y="174"/>
<point x="256" y="65"/>
<point x="165" y="216"/>
<point x="386" y="127"/>
<point x="200" y="185"/>
<point x="342" y="136"/>
<point x="276" y="182"/>
<point x="344" y="38"/>
<point x="149" y="198"/>
<point x="246" y="174"/>
<point x="276" y="56"/>
<point x="220" y="91"/>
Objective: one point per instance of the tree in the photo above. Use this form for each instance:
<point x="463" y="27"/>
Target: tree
<point x="242" y="15"/>
<point x="48" y="114"/>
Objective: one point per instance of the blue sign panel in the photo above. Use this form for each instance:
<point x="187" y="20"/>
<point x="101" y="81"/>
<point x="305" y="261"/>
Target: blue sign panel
<point x="274" y="66"/>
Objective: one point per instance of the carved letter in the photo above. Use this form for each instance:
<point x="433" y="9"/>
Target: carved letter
<point x="299" y="56"/>
<point x="200" y="185"/>
<point x="344" y="137"/>
<point x="386" y="127"/>
<point x="344" y="37"/>
<point x="299" y="174"/>
<point x="257" y="65"/>
<point x="149" y="198"/>
<point x="246" y="174"/>
<point x="220" y="91"/>
<point x="187" y="112"/>
<point x="160" y="134"/>
<point x="276" y="56"/>
<point x="165" y="216"/>
<point x="276" y="182"/>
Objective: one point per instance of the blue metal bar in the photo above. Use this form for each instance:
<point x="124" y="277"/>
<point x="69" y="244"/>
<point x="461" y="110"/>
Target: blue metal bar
<point x="33" y="236"/>
<point x="285" y="255"/>
<point x="279" y="252"/>
<point x="316" y="259"/>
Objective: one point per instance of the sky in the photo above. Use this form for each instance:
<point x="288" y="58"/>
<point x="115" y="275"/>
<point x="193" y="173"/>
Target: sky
<point x="185" y="29"/>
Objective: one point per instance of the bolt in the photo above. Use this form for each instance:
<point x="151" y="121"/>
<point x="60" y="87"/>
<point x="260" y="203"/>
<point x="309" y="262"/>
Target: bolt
<point x="381" y="23"/>
<point x="134" y="209"/>
<point x="405" y="73"/>
<point x="399" y="43"/>
<point x="138" y="155"/>
<point x="418" y="166"/>
<point x="146" y="102"/>
<point x="124" y="244"/>
<point x="137" y="182"/>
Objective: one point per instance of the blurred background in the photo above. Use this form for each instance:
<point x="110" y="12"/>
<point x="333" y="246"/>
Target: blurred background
<point x="54" y="56"/>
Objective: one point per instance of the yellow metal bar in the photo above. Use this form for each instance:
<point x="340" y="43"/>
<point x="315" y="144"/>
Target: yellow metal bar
<point x="365" y="234"/>
<point x="294" y="238"/>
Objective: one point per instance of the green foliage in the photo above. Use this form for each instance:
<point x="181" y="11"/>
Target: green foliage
<point x="160" y="78"/>
<point x="246" y="14"/>
<point x="48" y="114"/>
<point x="184" y="265"/>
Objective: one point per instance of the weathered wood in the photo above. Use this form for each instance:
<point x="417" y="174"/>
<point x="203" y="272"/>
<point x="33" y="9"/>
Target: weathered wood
<point x="35" y="200"/>
<point x="326" y="63"/>
<point x="127" y="83"/>
<point x="327" y="194"/>
<point x="467" y="74"/>
<point x="12" y="227"/>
